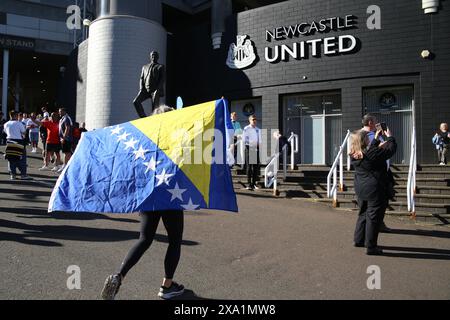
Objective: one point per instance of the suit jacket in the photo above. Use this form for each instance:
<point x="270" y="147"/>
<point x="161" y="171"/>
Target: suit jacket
<point x="152" y="78"/>
<point x="371" y="174"/>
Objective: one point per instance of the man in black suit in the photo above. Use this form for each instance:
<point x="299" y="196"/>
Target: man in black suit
<point x="151" y="84"/>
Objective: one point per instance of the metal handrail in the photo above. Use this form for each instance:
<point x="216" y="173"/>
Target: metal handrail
<point x="332" y="191"/>
<point x="271" y="172"/>
<point x="293" y="140"/>
<point x="411" y="186"/>
<point x="271" y="169"/>
<point x="240" y="154"/>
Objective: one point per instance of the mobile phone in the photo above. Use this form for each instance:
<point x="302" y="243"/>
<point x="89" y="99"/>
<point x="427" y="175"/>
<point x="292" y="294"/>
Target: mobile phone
<point x="383" y="126"/>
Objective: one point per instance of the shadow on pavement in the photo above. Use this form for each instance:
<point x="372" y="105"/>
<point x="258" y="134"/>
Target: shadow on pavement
<point x="65" y="232"/>
<point x="255" y="194"/>
<point x="27" y="194"/>
<point x="427" y="233"/>
<point x="189" y="295"/>
<point x="77" y="233"/>
<point x="40" y="213"/>
<point x="7" y="236"/>
<point x="416" y="253"/>
<point x="55" y="177"/>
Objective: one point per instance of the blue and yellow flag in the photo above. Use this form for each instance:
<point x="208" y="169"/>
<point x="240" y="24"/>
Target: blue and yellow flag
<point x="175" y="160"/>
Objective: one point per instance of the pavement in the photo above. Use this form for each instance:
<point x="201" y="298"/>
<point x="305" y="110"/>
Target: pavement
<point x="275" y="249"/>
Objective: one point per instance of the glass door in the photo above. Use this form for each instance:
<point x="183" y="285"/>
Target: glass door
<point x="394" y="106"/>
<point x="316" y="118"/>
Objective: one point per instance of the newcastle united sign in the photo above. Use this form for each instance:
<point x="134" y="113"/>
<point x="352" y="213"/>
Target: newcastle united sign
<point x="241" y="54"/>
<point x="342" y="44"/>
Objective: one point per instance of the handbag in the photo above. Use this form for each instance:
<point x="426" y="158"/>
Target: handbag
<point x="14" y="151"/>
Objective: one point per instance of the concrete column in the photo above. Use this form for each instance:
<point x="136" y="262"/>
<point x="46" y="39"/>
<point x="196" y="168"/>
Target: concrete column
<point x="220" y="11"/>
<point x="119" y="45"/>
<point x="5" y="82"/>
<point x="17" y="102"/>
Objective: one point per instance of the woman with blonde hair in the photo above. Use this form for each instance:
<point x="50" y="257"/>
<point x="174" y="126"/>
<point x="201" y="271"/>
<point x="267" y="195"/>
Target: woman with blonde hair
<point x="371" y="180"/>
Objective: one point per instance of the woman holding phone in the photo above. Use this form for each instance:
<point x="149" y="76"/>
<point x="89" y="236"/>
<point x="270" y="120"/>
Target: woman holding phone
<point x="371" y="180"/>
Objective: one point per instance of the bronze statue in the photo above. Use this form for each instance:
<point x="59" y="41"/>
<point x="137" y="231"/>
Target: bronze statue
<point x="151" y="84"/>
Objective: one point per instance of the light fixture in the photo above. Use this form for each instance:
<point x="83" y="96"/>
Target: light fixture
<point x="425" y="54"/>
<point x="34" y="58"/>
<point x="87" y="22"/>
<point x="42" y="82"/>
<point x="39" y="71"/>
<point x="430" y="6"/>
<point x="43" y="90"/>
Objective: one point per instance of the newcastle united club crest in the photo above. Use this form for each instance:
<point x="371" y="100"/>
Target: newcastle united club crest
<point x="241" y="54"/>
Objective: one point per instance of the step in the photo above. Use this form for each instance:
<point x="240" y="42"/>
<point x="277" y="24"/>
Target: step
<point x="424" y="185"/>
<point x="400" y="197"/>
<point x="420" y="181"/>
<point x="403" y="215"/>
<point x="433" y="208"/>
<point x="421" y="189"/>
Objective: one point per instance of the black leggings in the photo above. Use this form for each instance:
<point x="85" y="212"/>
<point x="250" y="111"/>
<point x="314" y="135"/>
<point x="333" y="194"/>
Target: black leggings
<point x="173" y="222"/>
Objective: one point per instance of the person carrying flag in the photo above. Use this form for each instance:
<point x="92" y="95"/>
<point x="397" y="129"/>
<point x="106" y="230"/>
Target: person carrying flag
<point x="150" y="166"/>
<point x="173" y="222"/>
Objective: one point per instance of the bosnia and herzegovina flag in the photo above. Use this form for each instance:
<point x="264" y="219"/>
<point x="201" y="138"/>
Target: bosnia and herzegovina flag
<point x="175" y="160"/>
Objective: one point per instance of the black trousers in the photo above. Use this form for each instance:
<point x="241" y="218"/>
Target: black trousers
<point x="173" y="222"/>
<point x="141" y="97"/>
<point x="252" y="163"/>
<point x="371" y="215"/>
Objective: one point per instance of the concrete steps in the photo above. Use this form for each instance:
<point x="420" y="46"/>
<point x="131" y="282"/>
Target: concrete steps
<point x="309" y="182"/>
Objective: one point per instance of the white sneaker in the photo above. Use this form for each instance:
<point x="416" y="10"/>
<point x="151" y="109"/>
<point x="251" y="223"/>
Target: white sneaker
<point x="256" y="188"/>
<point x="61" y="168"/>
<point x="442" y="164"/>
<point x="34" y="150"/>
<point x="44" y="168"/>
<point x="55" y="168"/>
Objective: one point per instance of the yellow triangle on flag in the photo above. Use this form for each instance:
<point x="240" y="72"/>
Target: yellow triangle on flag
<point x="180" y="135"/>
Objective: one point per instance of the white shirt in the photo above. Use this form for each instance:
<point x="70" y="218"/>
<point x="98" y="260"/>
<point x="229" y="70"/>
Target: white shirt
<point x="30" y="122"/>
<point x="14" y="130"/>
<point x="251" y="136"/>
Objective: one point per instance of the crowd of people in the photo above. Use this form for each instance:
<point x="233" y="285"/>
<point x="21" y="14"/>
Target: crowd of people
<point x="57" y="132"/>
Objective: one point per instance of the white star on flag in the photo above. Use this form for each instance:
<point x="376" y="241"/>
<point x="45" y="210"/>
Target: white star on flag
<point x="163" y="178"/>
<point x="176" y="192"/>
<point x="190" y="206"/>
<point x="123" y="137"/>
<point x="140" y="153"/>
<point x="151" y="165"/>
<point x="131" y="144"/>
<point x="116" y="130"/>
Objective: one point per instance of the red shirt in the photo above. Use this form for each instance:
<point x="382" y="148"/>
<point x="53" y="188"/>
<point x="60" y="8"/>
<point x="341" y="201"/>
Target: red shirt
<point x="76" y="133"/>
<point x="52" y="131"/>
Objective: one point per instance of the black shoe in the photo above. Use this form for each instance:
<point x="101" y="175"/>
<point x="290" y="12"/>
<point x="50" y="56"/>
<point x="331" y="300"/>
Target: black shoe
<point x="374" y="251"/>
<point x="358" y="245"/>
<point x="384" y="228"/>
<point x="111" y="287"/>
<point x="174" y="290"/>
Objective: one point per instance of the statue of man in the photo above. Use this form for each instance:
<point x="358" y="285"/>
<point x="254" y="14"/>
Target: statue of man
<point x="151" y="84"/>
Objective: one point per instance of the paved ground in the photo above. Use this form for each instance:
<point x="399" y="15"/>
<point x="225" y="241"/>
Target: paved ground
<point x="271" y="249"/>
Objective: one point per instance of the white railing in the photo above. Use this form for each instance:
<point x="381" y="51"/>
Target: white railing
<point x="332" y="189"/>
<point x="293" y="140"/>
<point x="411" y="186"/>
<point x="271" y="170"/>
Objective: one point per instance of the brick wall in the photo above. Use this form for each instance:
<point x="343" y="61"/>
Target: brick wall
<point x="390" y="56"/>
